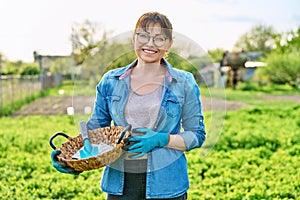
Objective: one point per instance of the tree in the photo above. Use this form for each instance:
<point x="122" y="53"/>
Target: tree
<point x="283" y="64"/>
<point x="1" y="63"/>
<point x="216" y="54"/>
<point x="10" y="67"/>
<point x="109" y="53"/>
<point x="284" y="68"/>
<point x="259" y="38"/>
<point x="61" y="65"/>
<point x="29" y="69"/>
<point x="288" y="41"/>
<point x="86" y="39"/>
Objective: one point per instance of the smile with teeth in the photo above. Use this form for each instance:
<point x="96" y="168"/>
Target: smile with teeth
<point x="149" y="51"/>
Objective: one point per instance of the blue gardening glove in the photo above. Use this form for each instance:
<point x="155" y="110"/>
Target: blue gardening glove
<point x="145" y="143"/>
<point x="61" y="166"/>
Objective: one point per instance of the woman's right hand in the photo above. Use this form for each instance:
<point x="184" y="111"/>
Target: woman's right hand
<point x="61" y="166"/>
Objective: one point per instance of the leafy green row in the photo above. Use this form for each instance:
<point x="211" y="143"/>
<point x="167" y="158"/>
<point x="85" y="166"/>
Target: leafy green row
<point x="261" y="127"/>
<point x="255" y="157"/>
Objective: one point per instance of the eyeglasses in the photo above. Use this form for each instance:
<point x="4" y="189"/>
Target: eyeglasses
<point x="158" y="40"/>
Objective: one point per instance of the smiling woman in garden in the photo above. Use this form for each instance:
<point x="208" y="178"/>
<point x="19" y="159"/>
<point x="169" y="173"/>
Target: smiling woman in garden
<point x="156" y="99"/>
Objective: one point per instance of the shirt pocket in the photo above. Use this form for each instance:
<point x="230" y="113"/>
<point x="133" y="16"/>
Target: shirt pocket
<point x="114" y="104"/>
<point x="174" y="106"/>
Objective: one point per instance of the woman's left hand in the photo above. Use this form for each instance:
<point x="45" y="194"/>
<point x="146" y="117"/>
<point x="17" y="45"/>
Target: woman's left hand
<point x="61" y="166"/>
<point x="145" y="143"/>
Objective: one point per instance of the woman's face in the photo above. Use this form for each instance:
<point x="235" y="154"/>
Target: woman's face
<point x="152" y="44"/>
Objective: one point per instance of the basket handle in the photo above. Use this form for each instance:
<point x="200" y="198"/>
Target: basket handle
<point x="54" y="136"/>
<point x="127" y="128"/>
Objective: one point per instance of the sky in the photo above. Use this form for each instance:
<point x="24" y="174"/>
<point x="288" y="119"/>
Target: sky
<point x="45" y="25"/>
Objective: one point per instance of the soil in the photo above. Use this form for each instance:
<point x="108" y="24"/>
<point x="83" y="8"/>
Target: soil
<point x="293" y="98"/>
<point x="54" y="105"/>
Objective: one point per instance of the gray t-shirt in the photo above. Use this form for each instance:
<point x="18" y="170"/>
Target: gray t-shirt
<point x="142" y="110"/>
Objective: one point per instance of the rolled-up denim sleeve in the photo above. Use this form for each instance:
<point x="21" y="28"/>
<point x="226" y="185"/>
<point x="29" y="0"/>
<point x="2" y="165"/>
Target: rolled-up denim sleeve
<point x="194" y="133"/>
<point x="100" y="116"/>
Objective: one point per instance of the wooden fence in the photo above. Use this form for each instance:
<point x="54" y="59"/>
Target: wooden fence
<point x="16" y="88"/>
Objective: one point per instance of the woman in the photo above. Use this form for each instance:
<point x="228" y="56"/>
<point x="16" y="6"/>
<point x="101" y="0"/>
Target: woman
<point x="158" y="101"/>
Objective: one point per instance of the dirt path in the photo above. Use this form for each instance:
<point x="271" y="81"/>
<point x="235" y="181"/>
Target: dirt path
<point x="58" y="105"/>
<point x="54" y="105"/>
<point x="293" y="98"/>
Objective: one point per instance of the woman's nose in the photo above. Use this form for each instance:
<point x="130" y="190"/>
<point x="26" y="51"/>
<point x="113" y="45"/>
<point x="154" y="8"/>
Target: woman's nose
<point x="150" y="41"/>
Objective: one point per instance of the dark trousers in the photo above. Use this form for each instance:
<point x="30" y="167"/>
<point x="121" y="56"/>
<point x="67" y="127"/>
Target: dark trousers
<point x="135" y="188"/>
<point x="235" y="79"/>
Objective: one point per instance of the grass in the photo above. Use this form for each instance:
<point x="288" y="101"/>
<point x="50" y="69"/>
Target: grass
<point x="71" y="88"/>
<point x="7" y="110"/>
<point x="253" y="98"/>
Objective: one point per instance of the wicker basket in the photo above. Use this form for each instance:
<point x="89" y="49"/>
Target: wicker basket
<point x="107" y="135"/>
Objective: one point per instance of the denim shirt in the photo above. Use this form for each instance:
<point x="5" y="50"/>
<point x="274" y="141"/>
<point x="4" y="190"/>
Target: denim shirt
<point x="180" y="113"/>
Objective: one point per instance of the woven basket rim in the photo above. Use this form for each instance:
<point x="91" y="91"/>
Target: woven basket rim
<point x="93" y="162"/>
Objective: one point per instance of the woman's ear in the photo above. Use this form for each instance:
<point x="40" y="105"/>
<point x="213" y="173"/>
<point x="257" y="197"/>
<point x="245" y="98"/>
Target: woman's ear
<point x="133" y="39"/>
<point x="169" y="45"/>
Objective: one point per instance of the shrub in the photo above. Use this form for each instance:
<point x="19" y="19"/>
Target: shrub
<point x="284" y="68"/>
<point x="29" y="69"/>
